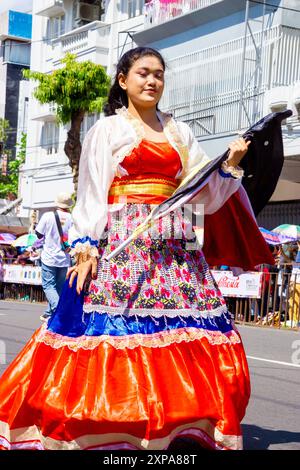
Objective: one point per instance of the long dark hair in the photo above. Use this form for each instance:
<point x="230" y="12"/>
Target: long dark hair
<point x="117" y="96"/>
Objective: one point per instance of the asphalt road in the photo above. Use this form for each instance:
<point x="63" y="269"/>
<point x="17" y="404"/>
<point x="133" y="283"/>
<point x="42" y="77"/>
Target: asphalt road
<point x="272" y="420"/>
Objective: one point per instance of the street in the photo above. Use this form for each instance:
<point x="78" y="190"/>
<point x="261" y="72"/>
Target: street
<point x="273" y="414"/>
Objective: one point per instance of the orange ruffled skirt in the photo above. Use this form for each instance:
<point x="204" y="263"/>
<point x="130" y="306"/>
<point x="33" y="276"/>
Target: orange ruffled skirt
<point x="148" y="354"/>
<point x="133" y="398"/>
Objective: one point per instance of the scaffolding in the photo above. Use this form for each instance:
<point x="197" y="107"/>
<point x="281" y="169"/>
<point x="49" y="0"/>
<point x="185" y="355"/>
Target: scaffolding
<point x="128" y="41"/>
<point x="255" y="81"/>
<point x="249" y="92"/>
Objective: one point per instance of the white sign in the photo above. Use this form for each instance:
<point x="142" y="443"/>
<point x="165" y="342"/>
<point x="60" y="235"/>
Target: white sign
<point x="246" y="285"/>
<point x="21" y="274"/>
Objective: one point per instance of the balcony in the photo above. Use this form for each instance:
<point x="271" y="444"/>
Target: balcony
<point x="89" y="42"/>
<point x="157" y="11"/>
<point x="165" y="18"/>
<point x="43" y="112"/>
<point x="203" y="87"/>
<point x="49" y="8"/>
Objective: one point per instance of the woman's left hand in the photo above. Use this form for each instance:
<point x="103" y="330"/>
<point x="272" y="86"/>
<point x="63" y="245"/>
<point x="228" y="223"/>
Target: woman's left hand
<point x="82" y="270"/>
<point x="238" y="149"/>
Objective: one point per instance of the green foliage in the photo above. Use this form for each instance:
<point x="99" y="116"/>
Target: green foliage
<point x="4" y="126"/>
<point x="78" y="86"/>
<point x="9" y="183"/>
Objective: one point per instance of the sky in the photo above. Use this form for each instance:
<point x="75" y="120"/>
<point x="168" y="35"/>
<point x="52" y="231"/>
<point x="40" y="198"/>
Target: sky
<point x="17" y="5"/>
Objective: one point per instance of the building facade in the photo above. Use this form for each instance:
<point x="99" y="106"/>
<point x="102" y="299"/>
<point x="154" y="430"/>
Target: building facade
<point x="228" y="64"/>
<point x="15" y="37"/>
<point x="93" y="30"/>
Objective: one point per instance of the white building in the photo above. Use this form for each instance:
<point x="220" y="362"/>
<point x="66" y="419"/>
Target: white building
<point x="94" y="31"/>
<point x="213" y="48"/>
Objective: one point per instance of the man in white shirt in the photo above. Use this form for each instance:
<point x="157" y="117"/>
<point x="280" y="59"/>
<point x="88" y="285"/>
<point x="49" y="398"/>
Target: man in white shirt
<point x="55" y="261"/>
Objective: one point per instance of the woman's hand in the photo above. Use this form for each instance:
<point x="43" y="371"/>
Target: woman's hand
<point x="238" y="149"/>
<point x="82" y="271"/>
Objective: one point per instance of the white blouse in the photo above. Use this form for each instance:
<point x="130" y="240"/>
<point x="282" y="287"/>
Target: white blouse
<point x="105" y="146"/>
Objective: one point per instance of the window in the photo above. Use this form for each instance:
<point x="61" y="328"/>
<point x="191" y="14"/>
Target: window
<point x="88" y="121"/>
<point x="135" y="8"/>
<point x="55" y="27"/>
<point x="50" y="137"/>
<point x="87" y="11"/>
<point x="16" y="52"/>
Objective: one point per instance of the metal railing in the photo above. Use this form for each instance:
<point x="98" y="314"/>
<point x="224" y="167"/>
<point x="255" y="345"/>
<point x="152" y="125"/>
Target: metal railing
<point x="201" y="123"/>
<point x="208" y="81"/>
<point x="278" y="306"/>
<point x="92" y="35"/>
<point x="75" y="41"/>
<point x="22" y="292"/>
<point x="157" y="12"/>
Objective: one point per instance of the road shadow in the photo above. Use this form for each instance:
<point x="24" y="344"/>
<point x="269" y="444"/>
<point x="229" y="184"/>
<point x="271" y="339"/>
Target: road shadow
<point x="256" y="438"/>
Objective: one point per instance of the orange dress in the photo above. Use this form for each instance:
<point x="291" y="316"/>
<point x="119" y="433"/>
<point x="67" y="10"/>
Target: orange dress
<point x="152" y="169"/>
<point x="148" y="353"/>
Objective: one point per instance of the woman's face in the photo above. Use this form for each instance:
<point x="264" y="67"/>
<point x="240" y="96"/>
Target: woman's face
<point x="144" y="83"/>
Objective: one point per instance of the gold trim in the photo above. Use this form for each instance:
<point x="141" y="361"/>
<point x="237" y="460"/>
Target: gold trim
<point x="155" y="340"/>
<point x="148" y="180"/>
<point x="33" y="433"/>
<point x="170" y="127"/>
<point x="151" y="188"/>
<point x="139" y="135"/>
<point x="170" y="130"/>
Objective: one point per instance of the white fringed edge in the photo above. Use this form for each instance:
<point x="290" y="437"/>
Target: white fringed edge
<point x="235" y="171"/>
<point x="85" y="248"/>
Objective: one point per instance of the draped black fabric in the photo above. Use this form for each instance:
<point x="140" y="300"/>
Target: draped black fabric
<point x="262" y="165"/>
<point x="264" y="160"/>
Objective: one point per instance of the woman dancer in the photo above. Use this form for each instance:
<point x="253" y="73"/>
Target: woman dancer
<point x="145" y="350"/>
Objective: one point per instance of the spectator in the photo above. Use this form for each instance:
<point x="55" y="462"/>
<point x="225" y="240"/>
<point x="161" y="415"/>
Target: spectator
<point x="294" y="297"/>
<point x="23" y="258"/>
<point x="298" y="252"/>
<point x="1" y="273"/>
<point x="284" y="258"/>
<point x="36" y="251"/>
<point x="54" y="258"/>
<point x="10" y="255"/>
<point x="263" y="302"/>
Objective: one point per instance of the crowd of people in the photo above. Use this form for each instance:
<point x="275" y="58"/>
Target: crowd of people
<point x="21" y="255"/>
<point x="280" y="288"/>
<point x="280" y="282"/>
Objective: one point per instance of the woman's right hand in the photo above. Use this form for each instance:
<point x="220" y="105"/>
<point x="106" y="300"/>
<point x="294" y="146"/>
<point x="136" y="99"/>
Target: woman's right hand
<point x="81" y="271"/>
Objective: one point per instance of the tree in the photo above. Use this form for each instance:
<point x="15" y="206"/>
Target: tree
<point x="76" y="89"/>
<point x="4" y="127"/>
<point x="9" y="184"/>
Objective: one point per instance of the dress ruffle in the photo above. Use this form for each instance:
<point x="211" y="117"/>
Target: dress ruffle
<point x="142" y="397"/>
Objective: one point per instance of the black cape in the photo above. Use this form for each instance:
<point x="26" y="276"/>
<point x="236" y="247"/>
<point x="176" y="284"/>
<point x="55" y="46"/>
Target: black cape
<point x="262" y="165"/>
